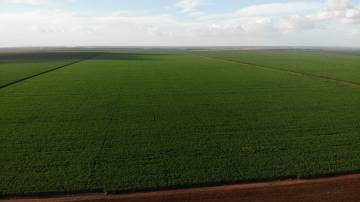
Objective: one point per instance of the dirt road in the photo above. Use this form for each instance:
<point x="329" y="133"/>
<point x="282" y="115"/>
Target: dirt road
<point x="343" y="188"/>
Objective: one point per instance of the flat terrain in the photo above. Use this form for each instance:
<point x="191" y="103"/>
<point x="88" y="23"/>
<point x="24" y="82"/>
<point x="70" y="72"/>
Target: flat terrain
<point x="14" y="67"/>
<point x="340" y="65"/>
<point x="123" y="122"/>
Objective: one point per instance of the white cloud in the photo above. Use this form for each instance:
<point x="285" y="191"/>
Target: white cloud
<point x="277" y="8"/>
<point x="189" y="5"/>
<point x="294" y="23"/>
<point x="65" y="28"/>
<point x="339" y="10"/>
<point x="338" y="4"/>
<point x="24" y="2"/>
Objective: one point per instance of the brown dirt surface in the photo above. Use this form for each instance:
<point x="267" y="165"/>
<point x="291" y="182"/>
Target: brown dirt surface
<point x="334" y="189"/>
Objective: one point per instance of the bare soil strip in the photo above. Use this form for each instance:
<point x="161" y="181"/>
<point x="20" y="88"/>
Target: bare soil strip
<point x="45" y="72"/>
<point x="342" y="188"/>
<point x="280" y="69"/>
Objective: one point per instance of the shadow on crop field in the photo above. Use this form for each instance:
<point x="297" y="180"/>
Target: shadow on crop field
<point x="42" y="56"/>
<point x="131" y="56"/>
<point x="48" y="56"/>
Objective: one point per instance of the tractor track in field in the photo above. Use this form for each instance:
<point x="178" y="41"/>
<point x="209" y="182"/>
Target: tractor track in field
<point x="332" y="189"/>
<point x="281" y="69"/>
<point x="97" y="158"/>
<point x="47" y="71"/>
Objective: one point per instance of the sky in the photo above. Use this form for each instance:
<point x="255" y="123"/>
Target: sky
<point x="179" y="23"/>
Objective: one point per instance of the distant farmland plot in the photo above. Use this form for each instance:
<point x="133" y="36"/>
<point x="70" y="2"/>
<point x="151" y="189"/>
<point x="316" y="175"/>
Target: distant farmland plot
<point x="338" y="65"/>
<point x="144" y="121"/>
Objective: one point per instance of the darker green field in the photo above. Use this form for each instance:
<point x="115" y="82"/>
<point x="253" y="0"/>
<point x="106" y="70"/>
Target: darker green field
<point x="146" y="120"/>
<point x="17" y="66"/>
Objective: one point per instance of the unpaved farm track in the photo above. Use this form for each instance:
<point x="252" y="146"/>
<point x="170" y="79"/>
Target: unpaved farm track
<point x="343" y="188"/>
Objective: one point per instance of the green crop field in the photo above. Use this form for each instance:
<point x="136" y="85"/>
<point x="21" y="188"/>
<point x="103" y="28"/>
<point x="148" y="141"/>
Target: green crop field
<point x="150" y="120"/>
<point x="338" y="65"/>
<point x="14" y="67"/>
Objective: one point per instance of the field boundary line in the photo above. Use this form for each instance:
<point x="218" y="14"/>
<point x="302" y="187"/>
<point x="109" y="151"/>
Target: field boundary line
<point x="281" y="69"/>
<point x="339" y="185"/>
<point x="97" y="158"/>
<point x="47" y="71"/>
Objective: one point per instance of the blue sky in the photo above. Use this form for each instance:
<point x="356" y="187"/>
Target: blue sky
<point x="179" y="22"/>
